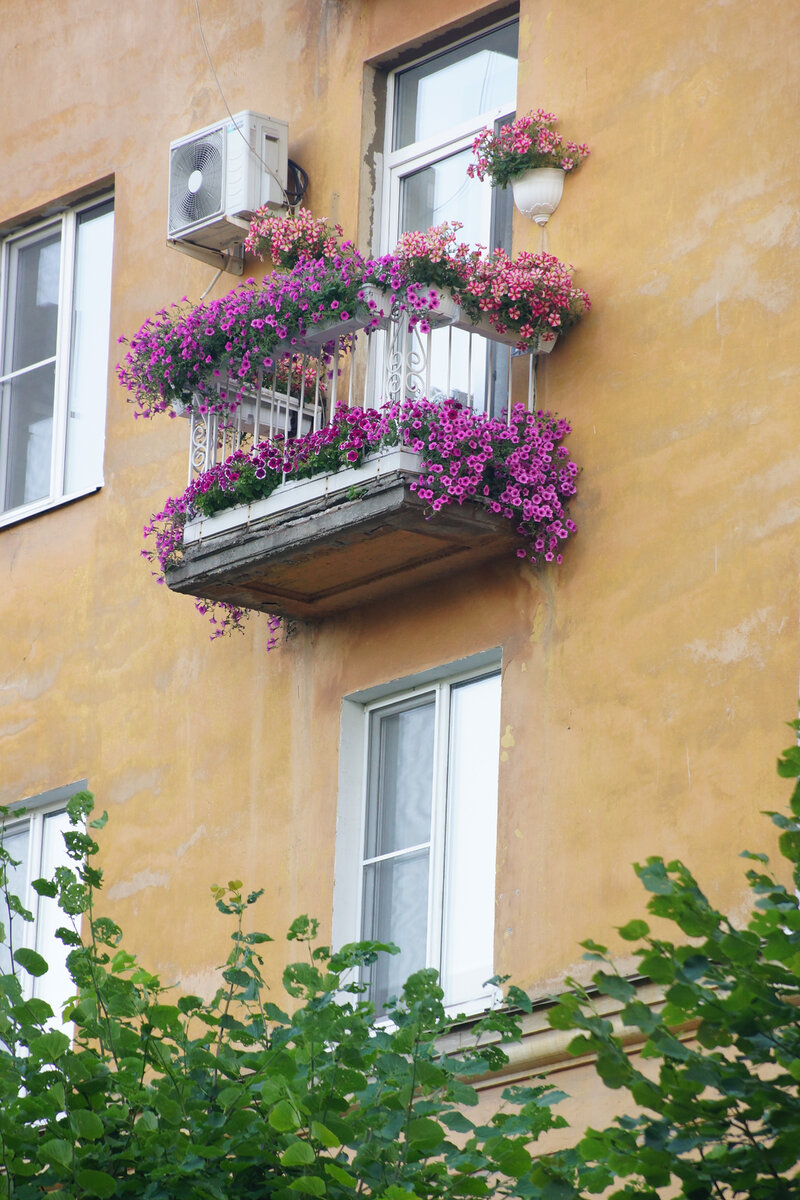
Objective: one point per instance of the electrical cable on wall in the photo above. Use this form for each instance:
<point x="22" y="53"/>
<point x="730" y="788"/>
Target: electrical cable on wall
<point x="264" y="164"/>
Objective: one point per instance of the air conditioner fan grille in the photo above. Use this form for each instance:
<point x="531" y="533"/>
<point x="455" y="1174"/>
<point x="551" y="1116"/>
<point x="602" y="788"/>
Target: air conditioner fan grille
<point x="196" y="181"/>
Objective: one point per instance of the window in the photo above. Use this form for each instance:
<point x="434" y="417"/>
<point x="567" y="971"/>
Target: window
<point x="436" y="108"/>
<point x="415" y="858"/>
<point x="54" y="327"/>
<point x="35" y="839"/>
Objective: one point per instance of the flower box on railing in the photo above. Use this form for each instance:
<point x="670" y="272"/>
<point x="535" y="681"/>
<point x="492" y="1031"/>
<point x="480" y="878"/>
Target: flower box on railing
<point x="327" y="331"/>
<point x="449" y="312"/>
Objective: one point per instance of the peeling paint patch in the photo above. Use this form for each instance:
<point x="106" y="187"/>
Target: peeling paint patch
<point x="735" y="277"/>
<point x="137" y="883"/>
<point x="187" y="845"/>
<point x="735" y="645"/>
<point x="538" y="623"/>
<point x="654" y="286"/>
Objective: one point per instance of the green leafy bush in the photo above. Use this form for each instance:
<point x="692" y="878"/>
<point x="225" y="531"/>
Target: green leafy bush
<point x="240" y="1096"/>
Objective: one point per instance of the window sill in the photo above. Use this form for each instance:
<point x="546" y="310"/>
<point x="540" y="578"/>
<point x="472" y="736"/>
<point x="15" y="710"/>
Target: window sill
<point x="25" y="512"/>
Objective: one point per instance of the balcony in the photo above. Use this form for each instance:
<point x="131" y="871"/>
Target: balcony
<point x="324" y="544"/>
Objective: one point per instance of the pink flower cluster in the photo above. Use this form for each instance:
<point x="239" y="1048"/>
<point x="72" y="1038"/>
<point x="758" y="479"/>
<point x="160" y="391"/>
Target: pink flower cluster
<point x="288" y="239"/>
<point x="212" y="354"/>
<point x="238" y="338"/>
<point x="532" y="294"/>
<point x="517" y="468"/>
<point x="528" y="142"/>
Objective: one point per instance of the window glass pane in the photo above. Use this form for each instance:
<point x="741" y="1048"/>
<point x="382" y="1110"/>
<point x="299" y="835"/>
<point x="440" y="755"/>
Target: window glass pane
<point x="55" y="985"/>
<point x="88" y="374"/>
<point x="32" y="321"/>
<point x="395" y="909"/>
<point x="468" y="933"/>
<point x="444" y="192"/>
<point x="26" y="434"/>
<point x="17" y="845"/>
<point x="400" y="779"/>
<point x="453" y="87"/>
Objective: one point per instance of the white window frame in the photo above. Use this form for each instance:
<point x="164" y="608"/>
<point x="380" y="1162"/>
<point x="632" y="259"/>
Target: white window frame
<point x="396" y="165"/>
<point x="352" y="814"/>
<point x="67" y="222"/>
<point x="416" y="155"/>
<point x="35" y="811"/>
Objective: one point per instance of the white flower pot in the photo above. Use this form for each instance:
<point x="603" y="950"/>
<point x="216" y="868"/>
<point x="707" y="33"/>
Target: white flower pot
<point x="537" y="192"/>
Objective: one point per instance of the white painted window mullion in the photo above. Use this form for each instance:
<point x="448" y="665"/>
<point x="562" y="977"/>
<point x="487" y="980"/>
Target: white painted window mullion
<point x="438" y="864"/>
<point x="63" y="352"/>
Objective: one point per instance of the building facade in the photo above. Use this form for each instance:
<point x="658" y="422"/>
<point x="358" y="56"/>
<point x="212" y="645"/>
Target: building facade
<point x="477" y="757"/>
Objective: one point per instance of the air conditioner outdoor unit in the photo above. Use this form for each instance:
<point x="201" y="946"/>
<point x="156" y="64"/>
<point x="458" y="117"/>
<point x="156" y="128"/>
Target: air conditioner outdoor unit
<point x="219" y="176"/>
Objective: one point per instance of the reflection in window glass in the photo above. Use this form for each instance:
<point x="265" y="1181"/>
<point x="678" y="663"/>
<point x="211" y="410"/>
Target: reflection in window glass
<point x="444" y="192"/>
<point x="453" y="87"/>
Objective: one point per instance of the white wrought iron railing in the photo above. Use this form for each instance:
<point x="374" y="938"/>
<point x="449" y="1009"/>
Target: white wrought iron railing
<point x="369" y="368"/>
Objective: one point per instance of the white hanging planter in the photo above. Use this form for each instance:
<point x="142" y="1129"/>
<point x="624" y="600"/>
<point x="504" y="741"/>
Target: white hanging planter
<point x="537" y="192"/>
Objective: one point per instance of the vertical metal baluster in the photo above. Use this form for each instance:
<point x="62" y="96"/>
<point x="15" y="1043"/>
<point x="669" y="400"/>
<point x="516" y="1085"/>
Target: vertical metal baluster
<point x="211" y="442"/>
<point x="469" y="370"/>
<point x="316" y="395"/>
<point x="406" y="344"/>
<point x="257" y="408"/>
<point x="288" y="404"/>
<point x="301" y="406"/>
<point x="449" y="358"/>
<point x="272" y="394"/>
<point x="388" y="344"/>
<point x="286" y="423"/>
<point x="428" y="341"/>
<point x="508" y="389"/>
<point x="192" y="428"/>
<point x="334" y="375"/>
<point x="368" y="366"/>
<point x="350" y="377"/>
<point x="531" y="382"/>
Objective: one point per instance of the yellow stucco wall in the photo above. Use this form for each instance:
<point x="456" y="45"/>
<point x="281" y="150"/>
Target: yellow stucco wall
<point x="645" y="681"/>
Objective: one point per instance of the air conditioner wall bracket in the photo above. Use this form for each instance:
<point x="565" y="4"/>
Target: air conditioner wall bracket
<point x="232" y="261"/>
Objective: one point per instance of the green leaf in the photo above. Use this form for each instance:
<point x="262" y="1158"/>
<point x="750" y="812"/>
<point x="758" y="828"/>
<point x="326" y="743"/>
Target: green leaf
<point x="56" y="1152"/>
<point x="633" y="931"/>
<point x="45" y="887"/>
<point x="298" y="1154"/>
<point x="283" y="1117"/>
<point x="614" y="986"/>
<point x="325" y="1135"/>
<point x="424" y="1132"/>
<point x="86" y="1124"/>
<point x="309" y="1185"/>
<point x="789" y="763"/>
<point x="340" y="1175"/>
<point x="97" y="1183"/>
<point x="512" y="1158"/>
<point x="30" y="961"/>
<point x="49" y="1047"/>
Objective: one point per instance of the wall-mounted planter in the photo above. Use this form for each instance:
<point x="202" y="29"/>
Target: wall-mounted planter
<point x="537" y="192"/>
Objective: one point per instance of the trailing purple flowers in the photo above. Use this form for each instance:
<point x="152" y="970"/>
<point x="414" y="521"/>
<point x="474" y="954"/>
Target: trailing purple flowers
<point x="519" y="469"/>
